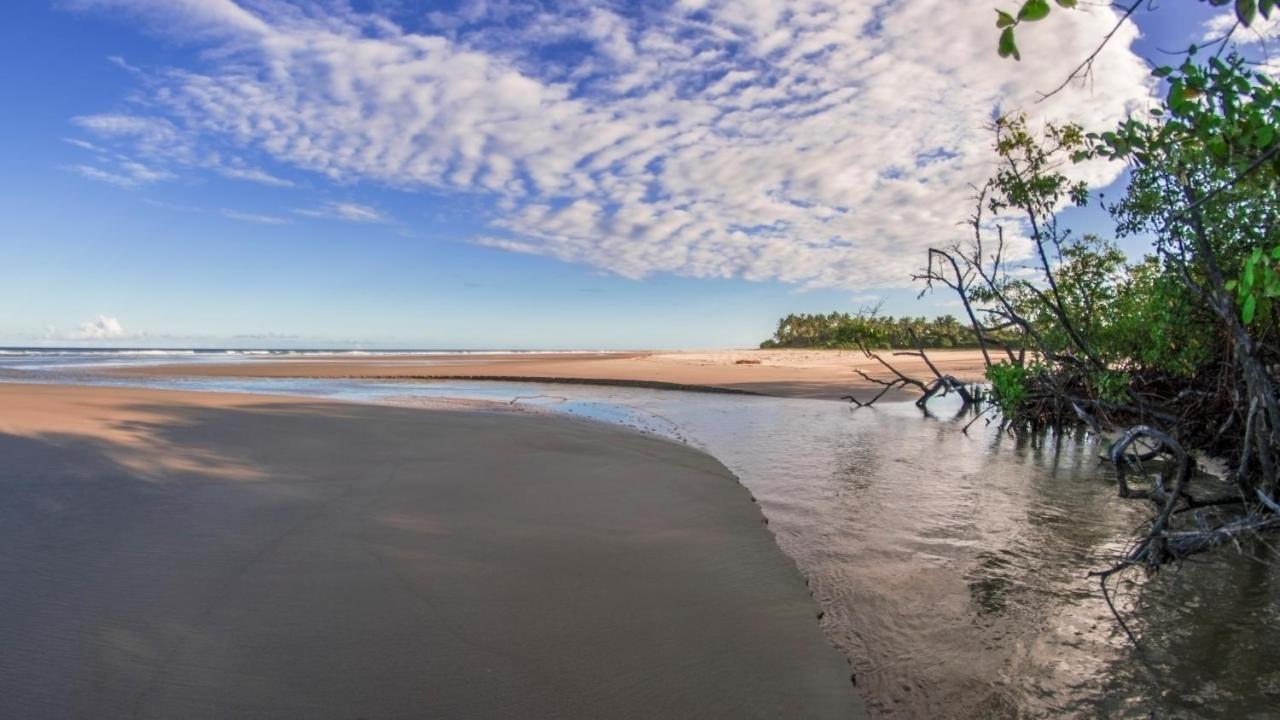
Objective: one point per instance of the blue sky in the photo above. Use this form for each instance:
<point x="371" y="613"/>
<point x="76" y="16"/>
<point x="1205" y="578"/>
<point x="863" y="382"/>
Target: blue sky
<point x="502" y="174"/>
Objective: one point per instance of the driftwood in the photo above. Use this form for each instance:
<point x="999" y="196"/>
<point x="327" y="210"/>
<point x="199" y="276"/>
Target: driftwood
<point x="1163" y="544"/>
<point x="940" y="385"/>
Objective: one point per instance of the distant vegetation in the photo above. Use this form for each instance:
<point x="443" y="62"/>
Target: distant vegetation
<point x="871" y="330"/>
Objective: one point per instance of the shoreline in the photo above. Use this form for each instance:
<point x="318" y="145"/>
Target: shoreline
<point x="814" y="374"/>
<point x="236" y="554"/>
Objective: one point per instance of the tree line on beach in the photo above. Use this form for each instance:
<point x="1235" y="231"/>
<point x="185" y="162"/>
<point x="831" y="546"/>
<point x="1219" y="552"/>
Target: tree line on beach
<point x="842" y="330"/>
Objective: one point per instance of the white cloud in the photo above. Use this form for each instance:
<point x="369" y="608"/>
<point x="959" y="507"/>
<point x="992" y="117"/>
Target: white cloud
<point x="96" y="330"/>
<point x="255" y="217"/>
<point x="125" y="173"/>
<point x="123" y="64"/>
<point x="103" y="327"/>
<point x="159" y="141"/>
<point x="82" y="144"/>
<point x="1256" y="41"/>
<point x="119" y="169"/>
<point x="144" y="174"/>
<point x="349" y="211"/>
<point x="811" y="141"/>
<point x="174" y="207"/>
<point x="149" y="133"/>
<point x="92" y="173"/>
<point x="1260" y="31"/>
<point x="255" y="175"/>
<point x="204" y="16"/>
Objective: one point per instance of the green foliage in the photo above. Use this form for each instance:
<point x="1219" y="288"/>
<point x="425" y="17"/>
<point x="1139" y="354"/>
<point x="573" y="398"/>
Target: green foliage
<point x="845" y="330"/>
<point x="1135" y="316"/>
<point x="1156" y="325"/>
<point x="1247" y="12"/>
<point x="1096" y="327"/>
<point x="1110" y="385"/>
<point x="1033" y="10"/>
<point x="1009" y="385"/>
<point x="1083" y="329"/>
<point x="1205" y="187"/>
<point x="1187" y="341"/>
<point x="1008" y="47"/>
<point x="1206" y="182"/>
<point x="1030" y="179"/>
<point x="1258" y="285"/>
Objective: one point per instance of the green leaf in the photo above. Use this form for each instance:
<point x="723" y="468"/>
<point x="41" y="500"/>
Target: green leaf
<point x="1174" y="98"/>
<point x="1068" y="4"/>
<point x="1163" y="71"/>
<point x="1004" y="19"/>
<point x="1263" y="136"/>
<point x="1246" y="11"/>
<point x="1248" y="309"/>
<point x="1033" y="10"/>
<point x="1007" y="47"/>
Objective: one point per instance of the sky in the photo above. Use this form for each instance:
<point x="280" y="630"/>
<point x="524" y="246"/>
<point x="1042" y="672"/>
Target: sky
<point x="507" y="173"/>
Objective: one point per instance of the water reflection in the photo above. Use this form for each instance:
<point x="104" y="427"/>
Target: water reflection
<point x="1208" y="641"/>
<point x="951" y="567"/>
<point x="954" y="569"/>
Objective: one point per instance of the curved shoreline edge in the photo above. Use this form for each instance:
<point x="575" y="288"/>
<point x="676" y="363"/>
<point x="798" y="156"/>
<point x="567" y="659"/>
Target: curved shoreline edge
<point x="793" y="374"/>
<point x="199" y="540"/>
<point x="603" y="382"/>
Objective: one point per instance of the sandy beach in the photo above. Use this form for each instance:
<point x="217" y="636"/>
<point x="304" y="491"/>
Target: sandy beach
<point x="819" y="374"/>
<point x="195" y="555"/>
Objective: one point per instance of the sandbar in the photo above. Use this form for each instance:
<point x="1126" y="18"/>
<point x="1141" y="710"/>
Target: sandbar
<point x="817" y="374"/>
<point x="200" y="555"/>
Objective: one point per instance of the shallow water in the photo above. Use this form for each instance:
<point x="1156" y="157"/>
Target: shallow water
<point x="950" y="568"/>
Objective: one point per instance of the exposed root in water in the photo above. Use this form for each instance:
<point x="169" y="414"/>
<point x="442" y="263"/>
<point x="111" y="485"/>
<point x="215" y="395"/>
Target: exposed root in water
<point x="940" y="386"/>
<point x="1106" y="595"/>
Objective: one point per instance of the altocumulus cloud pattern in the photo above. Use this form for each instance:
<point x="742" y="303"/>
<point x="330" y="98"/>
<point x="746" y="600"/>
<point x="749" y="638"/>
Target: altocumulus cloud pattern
<point x="819" y="143"/>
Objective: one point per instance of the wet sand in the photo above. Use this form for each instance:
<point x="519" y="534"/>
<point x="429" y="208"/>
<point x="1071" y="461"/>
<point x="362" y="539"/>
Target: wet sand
<point x="195" y="555"/>
<point x="821" y="374"/>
